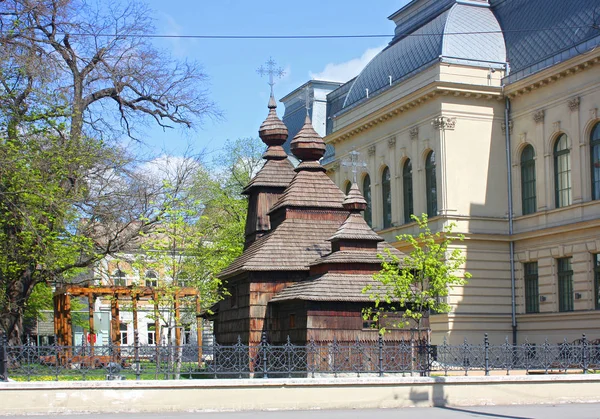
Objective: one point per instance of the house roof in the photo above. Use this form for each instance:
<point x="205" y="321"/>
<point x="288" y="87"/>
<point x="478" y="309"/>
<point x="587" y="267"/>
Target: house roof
<point x="328" y="287"/>
<point x="274" y="173"/>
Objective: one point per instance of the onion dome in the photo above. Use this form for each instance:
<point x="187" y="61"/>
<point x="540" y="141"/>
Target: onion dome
<point x="307" y="145"/>
<point x="273" y="133"/>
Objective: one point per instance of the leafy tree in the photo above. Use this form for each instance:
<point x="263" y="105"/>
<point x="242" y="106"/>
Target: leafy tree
<point x="420" y="282"/>
<point x="75" y="76"/>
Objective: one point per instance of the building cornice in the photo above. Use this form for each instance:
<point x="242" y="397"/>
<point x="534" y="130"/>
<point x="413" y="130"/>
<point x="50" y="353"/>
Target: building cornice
<point x="411" y="101"/>
<point x="552" y="74"/>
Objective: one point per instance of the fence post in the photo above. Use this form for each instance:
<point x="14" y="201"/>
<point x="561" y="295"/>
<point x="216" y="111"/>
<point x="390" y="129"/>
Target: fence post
<point x="584" y="355"/>
<point x="380" y="349"/>
<point x="3" y="357"/>
<point x="136" y="349"/>
<point x="486" y="348"/>
<point x="263" y="343"/>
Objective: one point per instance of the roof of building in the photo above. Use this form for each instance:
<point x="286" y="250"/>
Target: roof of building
<point x="465" y="31"/>
<point x="328" y="287"/>
<point x="292" y="246"/>
<point x="274" y="173"/>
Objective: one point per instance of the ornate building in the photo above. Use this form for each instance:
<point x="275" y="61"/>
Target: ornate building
<point x="460" y="83"/>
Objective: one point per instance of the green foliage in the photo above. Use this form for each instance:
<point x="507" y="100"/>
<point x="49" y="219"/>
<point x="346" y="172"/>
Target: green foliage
<point x="420" y="282"/>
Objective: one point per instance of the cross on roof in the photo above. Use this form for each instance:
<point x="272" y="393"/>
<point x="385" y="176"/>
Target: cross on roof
<point x="272" y="71"/>
<point x="355" y="163"/>
<point x="308" y="96"/>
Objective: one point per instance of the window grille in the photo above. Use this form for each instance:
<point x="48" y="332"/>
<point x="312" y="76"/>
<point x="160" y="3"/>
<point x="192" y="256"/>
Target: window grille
<point x="151" y="279"/>
<point x="407" y="191"/>
<point x="597" y="281"/>
<point x="430" y="185"/>
<point x="367" y="196"/>
<point x="565" y="284"/>
<point x="386" y="190"/>
<point x="532" y="298"/>
<point x="528" y="192"/>
<point x="595" y="153"/>
<point x="562" y="172"/>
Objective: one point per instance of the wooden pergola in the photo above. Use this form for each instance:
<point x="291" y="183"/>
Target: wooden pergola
<point x="63" y="327"/>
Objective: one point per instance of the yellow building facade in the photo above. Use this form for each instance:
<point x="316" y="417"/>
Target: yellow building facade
<point x="433" y="116"/>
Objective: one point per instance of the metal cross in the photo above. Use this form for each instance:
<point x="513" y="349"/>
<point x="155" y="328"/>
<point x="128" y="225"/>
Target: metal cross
<point x="354" y="163"/>
<point x="308" y="96"/>
<point x="272" y="71"/>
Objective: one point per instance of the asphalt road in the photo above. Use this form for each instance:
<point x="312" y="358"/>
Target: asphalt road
<point x="579" y="411"/>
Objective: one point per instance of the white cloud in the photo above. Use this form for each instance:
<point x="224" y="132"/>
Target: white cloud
<point x="342" y="72"/>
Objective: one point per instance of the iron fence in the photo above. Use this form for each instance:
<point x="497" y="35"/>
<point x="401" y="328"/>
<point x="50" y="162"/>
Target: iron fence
<point x="378" y="358"/>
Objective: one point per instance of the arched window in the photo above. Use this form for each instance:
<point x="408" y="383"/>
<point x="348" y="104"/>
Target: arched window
<point x="183" y="279"/>
<point x="595" y="152"/>
<point x="528" y="197"/>
<point x="367" y="196"/>
<point x="386" y="193"/>
<point x="562" y="172"/>
<point x="151" y="279"/>
<point x="348" y="186"/>
<point x="407" y="188"/>
<point x="119" y="278"/>
<point x="430" y="184"/>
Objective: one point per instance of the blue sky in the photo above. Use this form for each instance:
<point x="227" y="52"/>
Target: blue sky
<point x="231" y="64"/>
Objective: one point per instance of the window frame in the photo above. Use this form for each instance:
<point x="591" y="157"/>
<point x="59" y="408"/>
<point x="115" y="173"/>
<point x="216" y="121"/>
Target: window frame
<point x="123" y="334"/>
<point x="564" y="272"/>
<point x="368" y="213"/>
<point x="119" y="278"/>
<point x="531" y="287"/>
<point x="595" y="163"/>
<point x="431" y="184"/>
<point x="563" y="155"/>
<point x="596" y="261"/>
<point x="407" y="191"/>
<point x="386" y="197"/>
<point x="528" y="181"/>
<point x="151" y="281"/>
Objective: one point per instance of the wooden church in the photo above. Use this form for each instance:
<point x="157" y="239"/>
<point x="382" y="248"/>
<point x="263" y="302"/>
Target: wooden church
<point x="308" y="252"/>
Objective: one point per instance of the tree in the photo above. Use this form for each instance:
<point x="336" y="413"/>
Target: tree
<point x="420" y="282"/>
<point x="75" y="75"/>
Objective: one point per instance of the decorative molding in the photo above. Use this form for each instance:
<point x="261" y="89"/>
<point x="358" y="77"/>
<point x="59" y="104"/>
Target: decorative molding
<point x="444" y="123"/>
<point x="335" y="167"/>
<point x="510" y="127"/>
<point x="414" y="133"/>
<point x="523" y="137"/>
<point x="574" y="104"/>
<point x="392" y="141"/>
<point x="593" y="113"/>
<point x="402" y="152"/>
<point x="556" y="126"/>
<point x="539" y="116"/>
<point x="371" y="150"/>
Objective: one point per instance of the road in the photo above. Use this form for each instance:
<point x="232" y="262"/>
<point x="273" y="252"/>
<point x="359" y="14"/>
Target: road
<point x="579" y="411"/>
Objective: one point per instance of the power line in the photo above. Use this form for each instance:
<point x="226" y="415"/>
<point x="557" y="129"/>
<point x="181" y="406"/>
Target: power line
<point x="338" y="36"/>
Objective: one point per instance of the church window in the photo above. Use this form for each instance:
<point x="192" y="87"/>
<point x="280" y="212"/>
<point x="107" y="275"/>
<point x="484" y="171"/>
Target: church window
<point x="562" y="172"/>
<point x="595" y="151"/>
<point x="407" y="190"/>
<point x="430" y="184"/>
<point x="565" y="284"/>
<point x="386" y="190"/>
<point x="528" y="193"/>
<point x="367" y="196"/>
<point x="532" y="299"/>
<point x="151" y="279"/>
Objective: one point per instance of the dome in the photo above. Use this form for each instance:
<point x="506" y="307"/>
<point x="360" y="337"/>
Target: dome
<point x="464" y="33"/>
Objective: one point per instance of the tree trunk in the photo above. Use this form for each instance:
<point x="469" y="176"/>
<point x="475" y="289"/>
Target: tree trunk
<point x="12" y="315"/>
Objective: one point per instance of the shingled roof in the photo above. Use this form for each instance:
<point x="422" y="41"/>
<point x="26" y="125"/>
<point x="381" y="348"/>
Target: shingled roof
<point x="300" y="236"/>
<point x="344" y="286"/>
<point x="328" y="287"/>
<point x="292" y="246"/>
